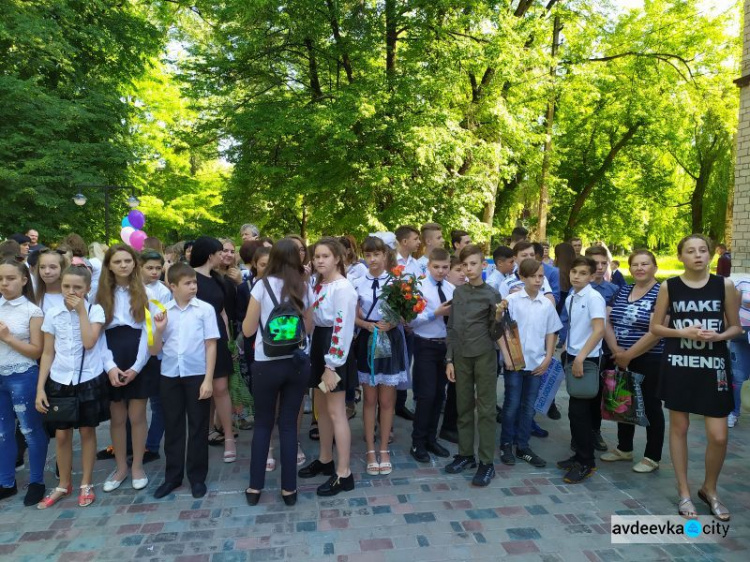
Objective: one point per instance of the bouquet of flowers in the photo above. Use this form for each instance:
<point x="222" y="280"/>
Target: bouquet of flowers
<point x="401" y="299"/>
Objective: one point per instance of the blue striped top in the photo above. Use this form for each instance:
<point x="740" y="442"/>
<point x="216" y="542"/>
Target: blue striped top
<point x="630" y="320"/>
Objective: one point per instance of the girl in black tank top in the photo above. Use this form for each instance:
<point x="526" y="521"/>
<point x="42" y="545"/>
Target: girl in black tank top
<point x="703" y="312"/>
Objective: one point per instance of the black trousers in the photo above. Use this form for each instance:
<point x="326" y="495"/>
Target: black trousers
<point x="285" y="380"/>
<point x="429" y="383"/>
<point x="650" y="367"/>
<point x="582" y="423"/>
<point x="179" y="397"/>
<point x="450" y="412"/>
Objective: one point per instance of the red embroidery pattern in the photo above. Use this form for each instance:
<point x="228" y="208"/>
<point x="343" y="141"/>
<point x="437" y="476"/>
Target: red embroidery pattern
<point x="336" y="350"/>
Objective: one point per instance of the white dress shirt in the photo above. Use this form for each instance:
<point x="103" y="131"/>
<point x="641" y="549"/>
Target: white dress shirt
<point x="355" y="271"/>
<point x="426" y="324"/>
<point x="536" y="318"/>
<point x="65" y="326"/>
<point x="513" y="283"/>
<point x="363" y="286"/>
<point x="159" y="291"/>
<point x="495" y="279"/>
<point x="335" y="306"/>
<point x="122" y="317"/>
<point x="51" y="301"/>
<point x="17" y="314"/>
<point x="184" y="338"/>
<point x="583" y="307"/>
<point x="423" y="262"/>
<point x="411" y="266"/>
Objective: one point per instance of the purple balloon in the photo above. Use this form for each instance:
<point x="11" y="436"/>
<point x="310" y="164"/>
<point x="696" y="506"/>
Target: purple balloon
<point x="137" y="239"/>
<point x="137" y="219"/>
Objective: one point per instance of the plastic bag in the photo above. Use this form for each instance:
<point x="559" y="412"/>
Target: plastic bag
<point x="379" y="345"/>
<point x="622" y="397"/>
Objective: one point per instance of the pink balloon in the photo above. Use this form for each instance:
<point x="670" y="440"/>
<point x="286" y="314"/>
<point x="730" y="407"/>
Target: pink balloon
<point x="126" y="233"/>
<point x="137" y="239"/>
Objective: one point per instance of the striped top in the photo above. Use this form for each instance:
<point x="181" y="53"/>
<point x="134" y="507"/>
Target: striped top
<point x="630" y="320"/>
<point x="743" y="286"/>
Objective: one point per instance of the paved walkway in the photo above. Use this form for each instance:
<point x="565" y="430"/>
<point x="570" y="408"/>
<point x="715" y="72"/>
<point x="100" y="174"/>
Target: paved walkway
<point x="417" y="513"/>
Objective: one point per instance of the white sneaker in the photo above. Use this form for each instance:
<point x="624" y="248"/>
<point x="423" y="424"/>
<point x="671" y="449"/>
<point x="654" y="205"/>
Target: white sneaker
<point x="732" y="419"/>
<point x="617" y="455"/>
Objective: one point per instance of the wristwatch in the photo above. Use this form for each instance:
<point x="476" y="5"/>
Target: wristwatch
<point x="448" y="361"/>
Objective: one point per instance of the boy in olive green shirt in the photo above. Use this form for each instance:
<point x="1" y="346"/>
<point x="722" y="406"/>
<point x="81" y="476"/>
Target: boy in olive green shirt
<point x="471" y="362"/>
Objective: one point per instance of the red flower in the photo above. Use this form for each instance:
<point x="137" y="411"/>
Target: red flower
<point x="335" y="339"/>
<point x="332" y="351"/>
<point x="336" y="329"/>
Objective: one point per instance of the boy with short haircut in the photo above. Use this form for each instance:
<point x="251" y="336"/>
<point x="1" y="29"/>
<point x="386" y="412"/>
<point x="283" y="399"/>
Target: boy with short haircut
<point x="456" y="275"/>
<point x="601" y="257"/>
<point x="432" y="238"/>
<point x="429" y="329"/>
<point x="577" y="244"/>
<point x="407" y="238"/>
<point x="459" y="240"/>
<point x="523" y="251"/>
<point x="519" y="234"/>
<point x="587" y="313"/>
<point x="472" y="364"/>
<point x="186" y="334"/>
<point x="617" y="277"/>
<point x="551" y="273"/>
<point x="504" y="264"/>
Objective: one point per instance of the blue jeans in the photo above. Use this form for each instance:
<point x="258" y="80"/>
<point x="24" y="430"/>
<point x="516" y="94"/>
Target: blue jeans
<point x="521" y="390"/>
<point x="17" y="398"/>
<point x="739" y="352"/>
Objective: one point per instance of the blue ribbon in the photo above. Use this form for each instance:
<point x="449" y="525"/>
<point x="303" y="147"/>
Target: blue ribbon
<point x="371" y="355"/>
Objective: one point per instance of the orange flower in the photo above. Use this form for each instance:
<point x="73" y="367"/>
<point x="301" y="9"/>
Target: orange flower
<point x="404" y="287"/>
<point x="408" y="296"/>
<point x="398" y="270"/>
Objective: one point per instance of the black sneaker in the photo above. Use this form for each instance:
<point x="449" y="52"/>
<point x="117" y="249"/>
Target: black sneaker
<point x="8" y="492"/>
<point x="336" y="484"/>
<point x="150" y="456"/>
<point x="485" y="474"/>
<point x="599" y="443"/>
<point x="460" y="463"/>
<point x="553" y="413"/>
<point x="531" y="457"/>
<point x="438" y="450"/>
<point x="405" y="413"/>
<point x="506" y="454"/>
<point x="567" y="463"/>
<point x="578" y="473"/>
<point x="34" y="494"/>
<point x="419" y="453"/>
<point x="449" y="435"/>
<point x="316" y="467"/>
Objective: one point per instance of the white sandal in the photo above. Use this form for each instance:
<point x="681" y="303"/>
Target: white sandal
<point x="386" y="467"/>
<point x="230" y="456"/>
<point x="645" y="465"/>
<point x="373" y="468"/>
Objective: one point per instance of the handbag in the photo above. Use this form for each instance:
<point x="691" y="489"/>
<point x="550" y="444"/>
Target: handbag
<point x="622" y="397"/>
<point x="586" y="386"/>
<point x="65" y="409"/>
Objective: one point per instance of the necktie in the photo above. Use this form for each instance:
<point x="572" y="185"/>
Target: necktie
<point x="441" y="296"/>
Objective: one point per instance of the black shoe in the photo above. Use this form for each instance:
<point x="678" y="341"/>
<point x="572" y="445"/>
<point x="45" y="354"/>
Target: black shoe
<point x="252" y="497"/>
<point x="316" y="467"/>
<point x="498" y="409"/>
<point x="336" y="484"/>
<point x="531" y="457"/>
<point x="106" y="453"/>
<point x="438" y="450"/>
<point x="8" y="492"/>
<point x="405" y="413"/>
<point x="449" y="435"/>
<point x="19" y="463"/>
<point x="485" y="474"/>
<point x="537" y="431"/>
<point x="567" y="463"/>
<point x="506" y="454"/>
<point x="198" y="489"/>
<point x="460" y="463"/>
<point x="578" y="473"/>
<point x="34" y="494"/>
<point x="419" y="453"/>
<point x="499" y="417"/>
<point x="553" y="413"/>
<point x="314" y="432"/>
<point x="573" y="446"/>
<point x="599" y="443"/>
<point x="166" y="489"/>
<point x="290" y="499"/>
<point x="150" y="456"/>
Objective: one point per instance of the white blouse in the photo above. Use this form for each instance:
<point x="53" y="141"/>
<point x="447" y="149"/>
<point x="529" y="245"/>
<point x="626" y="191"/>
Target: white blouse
<point x="17" y="315"/>
<point x="335" y="306"/>
<point x="121" y="316"/>
<point x="65" y="326"/>
<point x="355" y="271"/>
<point x="364" y="288"/>
<point x="52" y="300"/>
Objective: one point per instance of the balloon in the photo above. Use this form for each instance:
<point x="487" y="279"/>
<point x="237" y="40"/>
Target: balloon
<point x="125" y="222"/>
<point x="126" y="233"/>
<point x="137" y="239"/>
<point x="137" y="219"/>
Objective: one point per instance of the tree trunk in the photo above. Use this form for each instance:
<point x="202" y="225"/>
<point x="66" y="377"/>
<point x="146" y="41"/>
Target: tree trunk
<point x="549" y="122"/>
<point x="317" y="92"/>
<point x="583" y="195"/>
<point x="696" y="199"/>
<point x="345" y="62"/>
<point x="391" y="38"/>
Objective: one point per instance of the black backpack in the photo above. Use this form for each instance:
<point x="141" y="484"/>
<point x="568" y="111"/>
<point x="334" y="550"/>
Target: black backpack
<point x="284" y="331"/>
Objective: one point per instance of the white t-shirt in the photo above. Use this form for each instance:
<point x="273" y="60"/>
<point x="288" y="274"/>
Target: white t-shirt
<point x="260" y="294"/>
<point x="536" y="318"/>
<point x="583" y="307"/>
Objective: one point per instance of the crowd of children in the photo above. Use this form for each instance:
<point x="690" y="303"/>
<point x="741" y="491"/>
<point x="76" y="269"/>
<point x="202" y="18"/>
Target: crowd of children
<point x="89" y="336"/>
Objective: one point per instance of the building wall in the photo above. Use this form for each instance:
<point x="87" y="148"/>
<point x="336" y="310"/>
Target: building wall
<point x="741" y="211"/>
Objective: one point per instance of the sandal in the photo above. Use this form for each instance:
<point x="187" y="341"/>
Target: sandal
<point x="55" y="496"/>
<point x="386" y="467"/>
<point x="718" y="509"/>
<point x="301" y="458"/>
<point x="373" y="468"/>
<point x="314" y="432"/>
<point x="215" y="437"/>
<point x="229" y="456"/>
<point x="270" y="461"/>
<point x="87" y="496"/>
<point x="686" y="508"/>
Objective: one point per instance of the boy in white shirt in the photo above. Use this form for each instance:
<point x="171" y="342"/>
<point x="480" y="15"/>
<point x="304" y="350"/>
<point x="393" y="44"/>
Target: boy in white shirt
<point x="432" y="238"/>
<point x="504" y="262"/>
<point x="587" y="313"/>
<point x="522" y="251"/>
<point x="538" y="324"/>
<point x="186" y="334"/>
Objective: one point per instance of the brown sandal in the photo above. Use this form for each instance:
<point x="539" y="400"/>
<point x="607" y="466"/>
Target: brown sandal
<point x="718" y="509"/>
<point x="686" y="508"/>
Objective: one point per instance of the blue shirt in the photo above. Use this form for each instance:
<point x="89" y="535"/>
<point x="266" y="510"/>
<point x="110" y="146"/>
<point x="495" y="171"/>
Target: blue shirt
<point x="631" y="320"/>
<point x="553" y="276"/>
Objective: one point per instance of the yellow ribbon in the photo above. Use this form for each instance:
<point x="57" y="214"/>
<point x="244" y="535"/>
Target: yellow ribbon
<point x="149" y="327"/>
